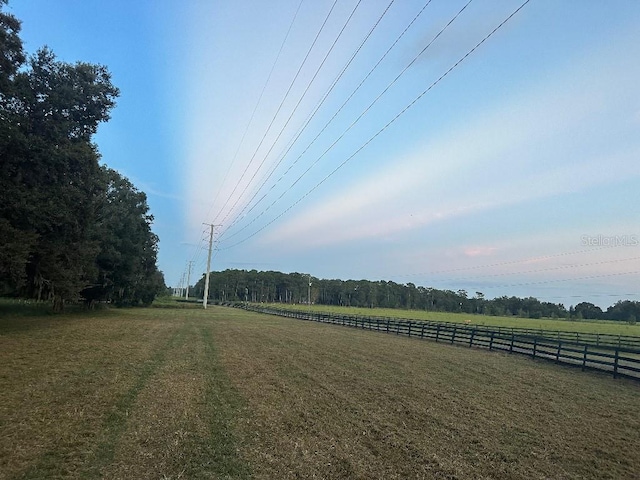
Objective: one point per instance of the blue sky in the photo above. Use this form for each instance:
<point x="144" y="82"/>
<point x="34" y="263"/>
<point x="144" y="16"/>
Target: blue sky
<point x="517" y="173"/>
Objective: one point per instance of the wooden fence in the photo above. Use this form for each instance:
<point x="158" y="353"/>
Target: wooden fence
<point x="618" y="360"/>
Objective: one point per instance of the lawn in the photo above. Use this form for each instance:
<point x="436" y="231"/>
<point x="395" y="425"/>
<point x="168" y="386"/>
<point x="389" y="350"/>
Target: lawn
<point x="582" y="326"/>
<point x="224" y="393"/>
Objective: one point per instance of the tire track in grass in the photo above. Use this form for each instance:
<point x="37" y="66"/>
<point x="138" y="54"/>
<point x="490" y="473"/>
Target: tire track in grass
<point x="222" y="402"/>
<point x="78" y="452"/>
<point x="116" y="421"/>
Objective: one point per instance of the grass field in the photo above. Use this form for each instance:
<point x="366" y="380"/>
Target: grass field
<point x="582" y="326"/>
<point x="224" y="393"/>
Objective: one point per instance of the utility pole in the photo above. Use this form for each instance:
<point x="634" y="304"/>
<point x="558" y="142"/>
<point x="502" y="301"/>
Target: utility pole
<point x="186" y="295"/>
<point x="206" y="281"/>
<point x="181" y="286"/>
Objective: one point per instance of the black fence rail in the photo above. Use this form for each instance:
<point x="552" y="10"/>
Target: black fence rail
<point x="619" y="361"/>
<point x="628" y="342"/>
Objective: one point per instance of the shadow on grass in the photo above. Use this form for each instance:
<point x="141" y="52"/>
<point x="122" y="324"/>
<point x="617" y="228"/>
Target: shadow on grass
<point x="23" y="315"/>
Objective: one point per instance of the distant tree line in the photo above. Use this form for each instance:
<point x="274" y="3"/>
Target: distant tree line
<point x="276" y="287"/>
<point x="70" y="229"/>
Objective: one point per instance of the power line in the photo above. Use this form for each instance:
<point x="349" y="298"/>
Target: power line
<point x="335" y="142"/>
<point x="282" y="156"/>
<point x="295" y="108"/>
<point x="512" y="262"/>
<point x="550" y="269"/>
<point x="341" y="136"/>
<point x="542" y="282"/>
<point x="436" y="82"/>
<point x="304" y="61"/>
<point x="264" y="87"/>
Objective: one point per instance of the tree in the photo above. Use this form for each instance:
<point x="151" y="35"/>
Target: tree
<point x="126" y="262"/>
<point x="624" y="310"/>
<point x="588" y="310"/>
<point x="67" y="226"/>
<point x="51" y="178"/>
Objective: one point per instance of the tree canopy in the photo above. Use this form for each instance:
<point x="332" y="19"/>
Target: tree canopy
<point x="69" y="228"/>
<point x="277" y="287"/>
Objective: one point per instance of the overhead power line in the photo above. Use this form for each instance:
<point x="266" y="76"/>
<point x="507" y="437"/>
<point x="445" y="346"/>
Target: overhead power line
<point x="511" y="262"/>
<point x="366" y="110"/>
<point x="402" y="112"/>
<point x="294" y="110"/>
<point x="255" y="109"/>
<point x="542" y="282"/>
<point x="286" y="95"/>
<point x="283" y="155"/>
<point x="560" y="267"/>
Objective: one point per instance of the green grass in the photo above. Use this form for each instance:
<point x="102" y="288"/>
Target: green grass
<point x="582" y="326"/>
<point x="224" y="393"/>
<point x="118" y="394"/>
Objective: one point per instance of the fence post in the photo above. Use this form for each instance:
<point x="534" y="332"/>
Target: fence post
<point x="511" y="346"/>
<point x="453" y="335"/>
<point x="422" y="330"/>
<point x="535" y="344"/>
<point x="491" y="341"/>
<point x="558" y="352"/>
<point x="437" y="332"/>
<point x="473" y="332"/>
<point x="615" y="363"/>
<point x="387" y="325"/>
<point x="584" y="358"/>
<point x="409" y="329"/>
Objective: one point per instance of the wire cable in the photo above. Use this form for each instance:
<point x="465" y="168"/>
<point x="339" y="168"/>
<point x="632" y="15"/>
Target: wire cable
<point x="293" y="111"/>
<point x="360" y="116"/>
<point x="304" y="61"/>
<point x="561" y="267"/>
<point x="404" y="110"/>
<point x="286" y="152"/>
<point x="255" y="109"/>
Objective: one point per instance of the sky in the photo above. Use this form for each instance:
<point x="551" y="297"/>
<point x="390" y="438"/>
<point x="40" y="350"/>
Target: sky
<point x="375" y="139"/>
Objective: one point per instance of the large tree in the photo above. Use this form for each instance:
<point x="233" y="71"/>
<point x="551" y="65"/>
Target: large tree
<point x="127" y="273"/>
<point x="56" y="202"/>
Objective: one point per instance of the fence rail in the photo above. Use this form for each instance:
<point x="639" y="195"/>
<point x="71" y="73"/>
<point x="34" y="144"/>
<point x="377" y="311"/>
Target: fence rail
<point x="621" y="361"/>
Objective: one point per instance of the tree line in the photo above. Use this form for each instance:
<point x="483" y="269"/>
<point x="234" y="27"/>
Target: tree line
<point x="277" y="287"/>
<point x="70" y="228"/>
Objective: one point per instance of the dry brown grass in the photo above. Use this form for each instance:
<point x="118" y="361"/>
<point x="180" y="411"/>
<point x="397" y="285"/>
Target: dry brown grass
<point x="331" y="402"/>
<point x="224" y="393"/>
<point x="126" y="394"/>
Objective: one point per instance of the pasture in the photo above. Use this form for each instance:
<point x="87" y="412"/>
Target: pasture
<point x="225" y="393"/>
<point x="582" y="326"/>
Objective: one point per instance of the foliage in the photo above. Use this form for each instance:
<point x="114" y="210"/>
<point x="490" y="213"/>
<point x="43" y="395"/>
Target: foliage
<point x="293" y="288"/>
<point x="58" y="219"/>
<point x="126" y="261"/>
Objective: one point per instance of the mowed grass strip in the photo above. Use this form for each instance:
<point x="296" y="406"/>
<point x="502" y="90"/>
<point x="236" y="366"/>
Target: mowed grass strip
<point x="123" y="394"/>
<point x="325" y="401"/>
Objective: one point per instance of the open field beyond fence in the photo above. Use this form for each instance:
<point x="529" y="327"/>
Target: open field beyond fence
<point x="615" y="354"/>
<point x="607" y="327"/>
<point x="225" y="393"/>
